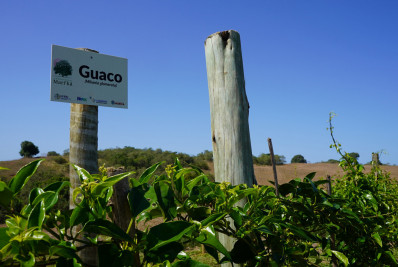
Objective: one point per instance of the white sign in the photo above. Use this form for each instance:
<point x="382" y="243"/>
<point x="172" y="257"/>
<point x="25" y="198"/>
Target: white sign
<point x="88" y="78"/>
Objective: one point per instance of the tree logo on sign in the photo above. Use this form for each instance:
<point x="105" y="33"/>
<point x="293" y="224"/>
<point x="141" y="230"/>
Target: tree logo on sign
<point x="62" y="67"/>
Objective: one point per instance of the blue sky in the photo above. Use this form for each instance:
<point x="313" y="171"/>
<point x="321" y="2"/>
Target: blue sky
<point x="302" y="60"/>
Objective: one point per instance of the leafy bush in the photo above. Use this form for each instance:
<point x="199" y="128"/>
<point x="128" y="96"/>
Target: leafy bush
<point x="59" y="159"/>
<point x="298" y="159"/>
<point x="52" y="153"/>
<point x="304" y="226"/>
<point x="205" y="155"/>
<point x="265" y="159"/>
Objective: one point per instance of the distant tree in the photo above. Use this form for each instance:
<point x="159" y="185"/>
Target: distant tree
<point x="28" y="149"/>
<point x="205" y="155"/>
<point x="332" y="161"/>
<point x="265" y="159"/>
<point x="354" y="155"/>
<point x="298" y="159"/>
<point x="66" y="152"/>
<point x="52" y="154"/>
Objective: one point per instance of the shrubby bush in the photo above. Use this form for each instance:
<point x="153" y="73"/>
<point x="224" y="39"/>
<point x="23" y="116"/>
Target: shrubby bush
<point x="298" y="159"/>
<point x="303" y="226"/>
<point x="52" y="153"/>
<point x="265" y="159"/>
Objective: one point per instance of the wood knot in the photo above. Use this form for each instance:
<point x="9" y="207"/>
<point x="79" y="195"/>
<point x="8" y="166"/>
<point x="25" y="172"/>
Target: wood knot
<point x="224" y="35"/>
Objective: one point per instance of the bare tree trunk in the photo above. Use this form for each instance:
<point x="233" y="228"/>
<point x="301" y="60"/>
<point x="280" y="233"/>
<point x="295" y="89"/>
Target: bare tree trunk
<point x="83" y="152"/>
<point x="229" y="110"/>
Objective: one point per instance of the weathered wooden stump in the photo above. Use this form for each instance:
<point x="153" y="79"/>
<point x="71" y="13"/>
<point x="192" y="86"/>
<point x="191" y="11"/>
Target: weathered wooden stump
<point x="229" y="111"/>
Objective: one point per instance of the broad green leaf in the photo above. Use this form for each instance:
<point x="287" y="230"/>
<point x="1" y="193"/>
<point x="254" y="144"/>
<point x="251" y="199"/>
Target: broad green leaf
<point x="2" y="168"/>
<point x="63" y="251"/>
<point x="27" y="261"/>
<point x="208" y="237"/>
<point x="34" y="193"/>
<point x="104" y="227"/>
<point x="178" y="165"/>
<point x="377" y="238"/>
<point x="199" y="213"/>
<point x="237" y="217"/>
<point x="391" y="258"/>
<point x="50" y="199"/>
<point x="193" y="182"/>
<point x="182" y="255"/>
<point x="213" y="218"/>
<point x="57" y="186"/>
<point x="23" y="175"/>
<point x="36" y="216"/>
<point x="352" y="215"/>
<point x="265" y="230"/>
<point x="100" y="188"/>
<point x="82" y="173"/>
<point x="341" y="257"/>
<point x="300" y="232"/>
<point x="5" y="194"/>
<point x="310" y="176"/>
<point x="147" y="174"/>
<point x="4" y="238"/>
<point x="368" y="195"/>
<point x="168" y="232"/>
<point x="137" y="200"/>
<point x="165" y="197"/>
<point x="80" y="215"/>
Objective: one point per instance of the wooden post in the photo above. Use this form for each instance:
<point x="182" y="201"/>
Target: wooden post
<point x="229" y="111"/>
<point x="83" y="151"/>
<point x="271" y="151"/>
<point x="121" y="209"/>
<point x="375" y="159"/>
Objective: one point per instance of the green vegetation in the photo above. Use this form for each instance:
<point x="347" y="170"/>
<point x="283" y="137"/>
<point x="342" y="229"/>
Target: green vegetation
<point x="355" y="225"/>
<point x="134" y="159"/>
<point x="298" y="159"/>
<point x="304" y="226"/>
<point x="265" y="159"/>
<point x="333" y="161"/>
<point x="354" y="155"/>
<point x="28" y="149"/>
<point x="52" y="153"/>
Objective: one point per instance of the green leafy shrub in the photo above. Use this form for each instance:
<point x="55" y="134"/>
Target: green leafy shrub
<point x="304" y="226"/>
<point x="52" y="153"/>
<point x="59" y="159"/>
<point x="265" y="159"/>
<point x="298" y="159"/>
